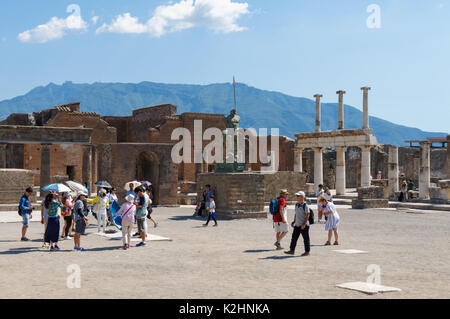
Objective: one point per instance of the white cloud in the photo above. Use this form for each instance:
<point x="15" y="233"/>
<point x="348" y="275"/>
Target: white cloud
<point x="123" y="24"/>
<point x="56" y="28"/>
<point x="217" y="15"/>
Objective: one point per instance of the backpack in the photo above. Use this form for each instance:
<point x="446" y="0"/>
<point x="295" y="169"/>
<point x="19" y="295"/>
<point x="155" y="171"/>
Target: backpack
<point x="20" y="211"/>
<point x="273" y="206"/>
<point x="311" y="214"/>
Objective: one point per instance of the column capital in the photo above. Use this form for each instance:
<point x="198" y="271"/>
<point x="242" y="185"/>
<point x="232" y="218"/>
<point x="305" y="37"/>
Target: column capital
<point x="319" y="149"/>
<point x="366" y="89"/>
<point x="318" y="96"/>
<point x="340" y="92"/>
<point x="366" y="148"/>
<point x="342" y="148"/>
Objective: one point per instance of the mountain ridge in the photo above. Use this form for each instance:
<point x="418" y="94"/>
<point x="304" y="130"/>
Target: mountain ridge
<point x="257" y="108"/>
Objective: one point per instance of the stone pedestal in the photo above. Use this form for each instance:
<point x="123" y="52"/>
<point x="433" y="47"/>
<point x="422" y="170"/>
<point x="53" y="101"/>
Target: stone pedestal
<point x="393" y="171"/>
<point x="424" y="174"/>
<point x="370" y="197"/>
<point x="13" y="185"/>
<point x="238" y="195"/>
<point x="340" y="170"/>
<point x="318" y="167"/>
<point x="384" y="183"/>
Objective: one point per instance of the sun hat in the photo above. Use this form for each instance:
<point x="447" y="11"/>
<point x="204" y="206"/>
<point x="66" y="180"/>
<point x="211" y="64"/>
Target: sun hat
<point x="129" y="198"/>
<point x="300" y="194"/>
<point x="284" y="191"/>
<point x="82" y="194"/>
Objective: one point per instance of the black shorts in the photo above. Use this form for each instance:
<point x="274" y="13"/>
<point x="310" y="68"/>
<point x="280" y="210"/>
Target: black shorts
<point x="79" y="226"/>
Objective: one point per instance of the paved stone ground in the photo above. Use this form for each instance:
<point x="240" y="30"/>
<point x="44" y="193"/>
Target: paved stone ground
<point x="236" y="259"/>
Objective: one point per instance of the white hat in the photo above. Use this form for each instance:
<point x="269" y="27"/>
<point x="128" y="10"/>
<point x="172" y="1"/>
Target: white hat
<point x="300" y="194"/>
<point x="129" y="198"/>
<point x="82" y="194"/>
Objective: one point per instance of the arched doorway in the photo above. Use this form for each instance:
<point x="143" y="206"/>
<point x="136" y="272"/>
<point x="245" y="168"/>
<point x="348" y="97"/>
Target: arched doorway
<point x="147" y="169"/>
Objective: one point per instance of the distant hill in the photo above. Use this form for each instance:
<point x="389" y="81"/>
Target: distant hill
<point x="257" y="108"/>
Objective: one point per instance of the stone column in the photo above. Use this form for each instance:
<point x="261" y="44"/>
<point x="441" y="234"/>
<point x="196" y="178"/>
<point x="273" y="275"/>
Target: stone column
<point x="298" y="163"/>
<point x="3" y="155"/>
<point x="45" y="177"/>
<point x="424" y="175"/>
<point x="318" y="96"/>
<point x="365" y="166"/>
<point x="87" y="166"/>
<point x="318" y="167"/>
<point x="340" y="170"/>
<point x="365" y="107"/>
<point x="341" y="109"/>
<point x="393" y="171"/>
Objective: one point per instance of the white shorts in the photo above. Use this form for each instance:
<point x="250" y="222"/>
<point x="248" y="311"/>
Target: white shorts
<point x="281" y="228"/>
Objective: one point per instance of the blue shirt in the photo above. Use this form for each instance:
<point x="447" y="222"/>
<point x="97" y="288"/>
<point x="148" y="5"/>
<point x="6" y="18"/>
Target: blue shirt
<point x="24" y="203"/>
<point x="78" y="205"/>
<point x="132" y="193"/>
<point x="208" y="196"/>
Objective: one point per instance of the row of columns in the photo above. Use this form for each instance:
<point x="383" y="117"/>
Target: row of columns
<point x="340" y="151"/>
<point x="340" y="166"/>
<point x="424" y="173"/>
<point x="341" y="109"/>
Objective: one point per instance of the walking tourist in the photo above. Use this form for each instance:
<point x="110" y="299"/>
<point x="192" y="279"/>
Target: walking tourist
<point x="300" y="225"/>
<point x="25" y="210"/>
<point x="280" y="219"/>
<point x="44" y="215"/>
<point x="319" y="193"/>
<point x="112" y="198"/>
<point x="211" y="211"/>
<point x="53" y="207"/>
<point x="102" y="203"/>
<point x="66" y="212"/>
<point x="79" y="211"/>
<point x="332" y="222"/>
<point x="149" y="198"/>
<point x="141" y="212"/>
<point x="128" y="212"/>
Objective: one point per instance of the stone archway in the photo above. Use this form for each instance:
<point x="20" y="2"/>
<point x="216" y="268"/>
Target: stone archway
<point x="147" y="169"/>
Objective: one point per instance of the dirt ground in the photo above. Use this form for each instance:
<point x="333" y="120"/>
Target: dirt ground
<point x="236" y="259"/>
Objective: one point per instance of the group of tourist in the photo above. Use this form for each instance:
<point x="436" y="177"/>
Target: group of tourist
<point x="406" y="190"/>
<point x="74" y="213"/>
<point x="137" y="208"/>
<point x="301" y="222"/>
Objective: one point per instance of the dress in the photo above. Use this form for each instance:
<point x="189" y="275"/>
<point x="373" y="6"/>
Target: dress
<point x="333" y="219"/>
<point x="52" y="230"/>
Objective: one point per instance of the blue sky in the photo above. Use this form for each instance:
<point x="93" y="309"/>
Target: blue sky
<point x="297" y="47"/>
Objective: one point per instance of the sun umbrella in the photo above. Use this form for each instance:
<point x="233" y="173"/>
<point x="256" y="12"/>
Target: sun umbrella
<point x="77" y="187"/>
<point x="146" y="183"/>
<point x="59" y="188"/>
<point x="103" y="184"/>
<point x="135" y="184"/>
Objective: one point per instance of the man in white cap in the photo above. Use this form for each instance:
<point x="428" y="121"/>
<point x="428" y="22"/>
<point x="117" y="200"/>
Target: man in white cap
<point x="300" y="225"/>
<point x="102" y="202"/>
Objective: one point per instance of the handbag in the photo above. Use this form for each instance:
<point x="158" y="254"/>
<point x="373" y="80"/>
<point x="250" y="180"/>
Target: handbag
<point x="123" y="215"/>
